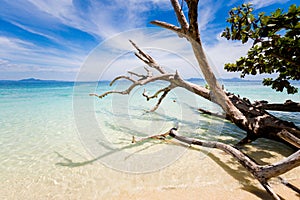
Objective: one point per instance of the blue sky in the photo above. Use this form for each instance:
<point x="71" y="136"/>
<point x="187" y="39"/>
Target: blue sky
<point x="52" y="39"/>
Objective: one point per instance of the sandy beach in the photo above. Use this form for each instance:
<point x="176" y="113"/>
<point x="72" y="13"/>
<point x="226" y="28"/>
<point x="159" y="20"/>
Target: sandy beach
<point x="196" y="175"/>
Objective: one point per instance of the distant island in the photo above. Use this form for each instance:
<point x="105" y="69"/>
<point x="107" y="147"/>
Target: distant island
<point x="31" y="80"/>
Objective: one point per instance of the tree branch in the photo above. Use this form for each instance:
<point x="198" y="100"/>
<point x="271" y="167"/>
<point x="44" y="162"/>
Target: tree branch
<point x="180" y="16"/>
<point x="262" y="173"/>
<point x="285" y="59"/>
<point x="121" y="77"/>
<point x="193" y="19"/>
<point x="290" y="138"/>
<point x="163" y="77"/>
<point x="288" y="106"/>
<point x="168" y="26"/>
<point x="165" y="91"/>
<point x="213" y="114"/>
<point x="146" y="58"/>
<point x="156" y="93"/>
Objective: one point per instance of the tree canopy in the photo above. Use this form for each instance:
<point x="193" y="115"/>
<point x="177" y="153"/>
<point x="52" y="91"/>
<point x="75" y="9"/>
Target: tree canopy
<point x="276" y="44"/>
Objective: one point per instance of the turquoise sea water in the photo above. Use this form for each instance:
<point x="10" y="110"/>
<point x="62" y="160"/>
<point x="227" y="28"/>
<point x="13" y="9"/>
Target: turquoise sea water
<point x="43" y="124"/>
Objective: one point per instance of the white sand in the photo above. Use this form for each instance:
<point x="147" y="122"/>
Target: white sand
<point x="217" y="176"/>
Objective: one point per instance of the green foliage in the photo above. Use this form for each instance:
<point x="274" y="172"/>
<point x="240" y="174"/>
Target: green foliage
<point x="276" y="44"/>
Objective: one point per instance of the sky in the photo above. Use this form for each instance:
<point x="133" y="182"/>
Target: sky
<point x="88" y="39"/>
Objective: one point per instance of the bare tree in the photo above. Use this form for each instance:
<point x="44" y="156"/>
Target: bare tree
<point x="251" y="117"/>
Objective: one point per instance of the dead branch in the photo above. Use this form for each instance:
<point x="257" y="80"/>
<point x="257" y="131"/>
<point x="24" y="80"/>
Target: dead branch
<point x="262" y="173"/>
<point x="213" y="114"/>
<point x="163" y="77"/>
<point x="168" y="26"/>
<point x="159" y="136"/>
<point x="180" y="15"/>
<point x="149" y="72"/>
<point x="146" y="58"/>
<point x="290" y="138"/>
<point x="121" y="77"/>
<point x="170" y="87"/>
<point x="137" y="75"/>
<point x="166" y="91"/>
<point x="288" y="106"/>
<point x="289" y="185"/>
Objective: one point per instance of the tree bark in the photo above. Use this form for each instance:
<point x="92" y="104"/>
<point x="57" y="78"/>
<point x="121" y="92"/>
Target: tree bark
<point x="288" y="106"/>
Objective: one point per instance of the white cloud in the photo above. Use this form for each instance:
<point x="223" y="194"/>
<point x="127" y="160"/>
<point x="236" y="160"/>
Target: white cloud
<point x="19" y="55"/>
<point x="225" y="52"/>
<point x="207" y="12"/>
<point x="115" y="56"/>
<point x="101" y="18"/>
<point x="260" y="4"/>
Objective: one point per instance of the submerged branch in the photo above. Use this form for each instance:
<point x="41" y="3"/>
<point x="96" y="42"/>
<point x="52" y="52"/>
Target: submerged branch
<point x="165" y="91"/>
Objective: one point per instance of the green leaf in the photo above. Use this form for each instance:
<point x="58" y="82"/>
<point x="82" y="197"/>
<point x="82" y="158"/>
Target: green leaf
<point x="293" y="8"/>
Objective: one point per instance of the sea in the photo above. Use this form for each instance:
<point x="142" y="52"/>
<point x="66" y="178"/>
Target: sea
<point x="59" y="142"/>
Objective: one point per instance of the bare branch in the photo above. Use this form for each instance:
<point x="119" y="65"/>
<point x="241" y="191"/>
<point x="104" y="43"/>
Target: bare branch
<point x="261" y="173"/>
<point x="163" y="77"/>
<point x="136" y="74"/>
<point x="109" y="92"/>
<point x="270" y="190"/>
<point x="149" y="72"/>
<point x="155" y="95"/>
<point x="166" y="91"/>
<point x="289" y="185"/>
<point x="287" y="136"/>
<point x="212" y="114"/>
<point x="180" y="15"/>
<point x="168" y="26"/>
<point x="193" y="36"/>
<point x="121" y="77"/>
<point x="159" y="136"/>
<point x="146" y="58"/>
<point x="142" y="53"/>
<point x="289" y="106"/>
<point x="193" y="19"/>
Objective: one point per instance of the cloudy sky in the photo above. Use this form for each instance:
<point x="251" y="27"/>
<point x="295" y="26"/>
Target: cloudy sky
<point x="51" y="39"/>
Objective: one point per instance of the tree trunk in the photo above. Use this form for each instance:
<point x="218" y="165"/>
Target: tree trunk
<point x="254" y="120"/>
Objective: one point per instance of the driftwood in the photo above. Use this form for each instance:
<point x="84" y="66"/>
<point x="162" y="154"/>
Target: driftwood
<point x="261" y="172"/>
<point x="252" y="118"/>
<point x="288" y="106"/>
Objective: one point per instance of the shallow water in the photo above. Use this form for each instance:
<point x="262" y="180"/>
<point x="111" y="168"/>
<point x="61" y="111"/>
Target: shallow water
<point x="58" y="143"/>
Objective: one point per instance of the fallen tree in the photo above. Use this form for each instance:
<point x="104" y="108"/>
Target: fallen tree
<point x="250" y="117"/>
